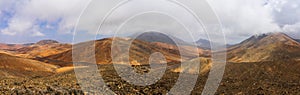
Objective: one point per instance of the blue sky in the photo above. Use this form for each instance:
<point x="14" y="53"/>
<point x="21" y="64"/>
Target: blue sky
<point x="44" y="28"/>
<point x="26" y="21"/>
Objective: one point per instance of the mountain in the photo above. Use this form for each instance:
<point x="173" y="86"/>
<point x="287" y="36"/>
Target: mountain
<point x="14" y="67"/>
<point x="160" y="37"/>
<point x="139" y="51"/>
<point x="4" y="46"/>
<point x="203" y="43"/>
<point x="47" y="42"/>
<point x="42" y="49"/>
<point x="265" y="47"/>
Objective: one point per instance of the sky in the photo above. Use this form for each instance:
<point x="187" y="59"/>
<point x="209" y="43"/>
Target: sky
<point x="26" y="21"/>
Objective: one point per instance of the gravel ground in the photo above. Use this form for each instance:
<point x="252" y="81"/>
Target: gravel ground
<point x="243" y="78"/>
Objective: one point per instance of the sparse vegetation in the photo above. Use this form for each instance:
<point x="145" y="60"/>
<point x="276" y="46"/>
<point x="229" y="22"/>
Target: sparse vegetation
<point x="260" y="65"/>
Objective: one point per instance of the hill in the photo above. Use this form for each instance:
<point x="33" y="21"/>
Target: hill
<point x="47" y="42"/>
<point x="265" y="47"/>
<point x="4" y="46"/>
<point x="14" y="67"/>
<point x="42" y="49"/>
<point x="205" y="66"/>
<point x="203" y="43"/>
<point x="139" y="52"/>
<point x="160" y="37"/>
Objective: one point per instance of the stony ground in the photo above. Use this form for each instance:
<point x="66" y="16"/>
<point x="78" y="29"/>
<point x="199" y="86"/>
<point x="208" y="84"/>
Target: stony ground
<point x="242" y="78"/>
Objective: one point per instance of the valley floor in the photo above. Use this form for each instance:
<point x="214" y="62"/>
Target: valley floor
<point x="239" y="78"/>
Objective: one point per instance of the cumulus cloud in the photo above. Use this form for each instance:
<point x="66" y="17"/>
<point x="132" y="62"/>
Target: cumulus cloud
<point x="287" y="15"/>
<point x="27" y="16"/>
<point x="286" y="11"/>
<point x="243" y="18"/>
<point x="293" y="30"/>
<point x="142" y="17"/>
<point x="240" y="18"/>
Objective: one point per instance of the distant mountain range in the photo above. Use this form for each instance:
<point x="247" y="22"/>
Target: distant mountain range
<point x="139" y="52"/>
<point x="47" y="42"/>
<point x="4" y="46"/>
<point x="42" y="48"/>
<point x="160" y="37"/>
<point x="203" y="43"/>
<point x="265" y="47"/>
<point x="265" y="64"/>
<point x="258" y="48"/>
<point x="262" y="47"/>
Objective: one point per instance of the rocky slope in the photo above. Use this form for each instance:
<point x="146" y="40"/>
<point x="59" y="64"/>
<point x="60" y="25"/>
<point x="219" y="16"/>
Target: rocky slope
<point x="265" y="47"/>
<point x="42" y="49"/>
<point x="205" y="66"/>
<point x="4" y="46"/>
<point x="139" y="51"/>
<point x="14" y="67"/>
<point x="160" y="37"/>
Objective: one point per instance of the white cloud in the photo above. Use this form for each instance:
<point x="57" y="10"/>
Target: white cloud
<point x="240" y="18"/>
<point x="35" y="31"/>
<point x="287" y="15"/>
<point x="143" y="17"/>
<point x="243" y="18"/>
<point x="7" y="32"/>
<point x="28" y="14"/>
<point x="276" y="4"/>
<point x="287" y="12"/>
<point x="293" y="30"/>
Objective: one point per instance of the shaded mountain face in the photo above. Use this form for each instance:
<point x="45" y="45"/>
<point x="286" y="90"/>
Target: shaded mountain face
<point x="160" y="37"/>
<point x="298" y="40"/>
<point x="265" y="47"/>
<point x="139" y="51"/>
<point x="13" y="67"/>
<point x="47" y="42"/>
<point x="203" y="43"/>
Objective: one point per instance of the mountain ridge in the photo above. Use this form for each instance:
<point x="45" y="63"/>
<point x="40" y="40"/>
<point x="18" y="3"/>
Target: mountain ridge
<point x="139" y="51"/>
<point x="160" y="37"/>
<point x="264" y="47"/>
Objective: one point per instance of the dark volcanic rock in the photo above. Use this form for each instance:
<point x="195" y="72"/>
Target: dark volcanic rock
<point x="45" y="42"/>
